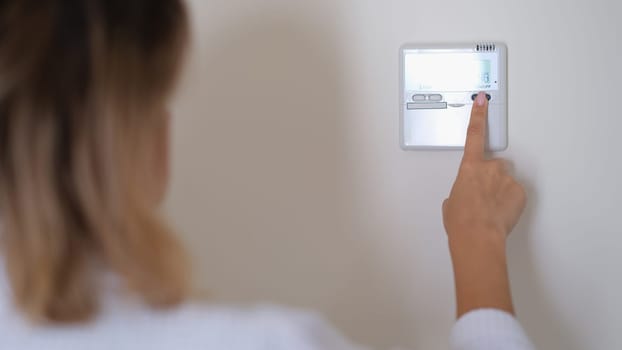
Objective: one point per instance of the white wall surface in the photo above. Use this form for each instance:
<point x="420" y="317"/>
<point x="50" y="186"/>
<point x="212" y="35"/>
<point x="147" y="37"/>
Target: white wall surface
<point x="289" y="185"/>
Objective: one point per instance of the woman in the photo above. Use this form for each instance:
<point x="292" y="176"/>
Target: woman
<point x="88" y="262"/>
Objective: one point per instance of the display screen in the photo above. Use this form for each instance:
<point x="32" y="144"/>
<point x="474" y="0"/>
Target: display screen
<point x="451" y="71"/>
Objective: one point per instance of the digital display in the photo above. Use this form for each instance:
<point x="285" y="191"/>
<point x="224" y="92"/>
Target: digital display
<point x="451" y="71"/>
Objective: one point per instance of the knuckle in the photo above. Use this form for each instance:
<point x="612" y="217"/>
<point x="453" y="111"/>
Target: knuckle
<point x="497" y="166"/>
<point x="508" y="182"/>
<point x="469" y="167"/>
<point x="522" y="191"/>
<point x="475" y="129"/>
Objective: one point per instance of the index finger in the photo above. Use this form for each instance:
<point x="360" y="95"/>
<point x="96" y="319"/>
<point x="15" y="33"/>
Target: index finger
<point x="475" y="146"/>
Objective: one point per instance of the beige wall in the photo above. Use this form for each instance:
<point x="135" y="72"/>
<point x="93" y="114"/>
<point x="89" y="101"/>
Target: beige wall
<point x="289" y="185"/>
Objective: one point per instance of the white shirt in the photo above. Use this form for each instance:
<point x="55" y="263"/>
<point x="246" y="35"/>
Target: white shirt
<point x="124" y="324"/>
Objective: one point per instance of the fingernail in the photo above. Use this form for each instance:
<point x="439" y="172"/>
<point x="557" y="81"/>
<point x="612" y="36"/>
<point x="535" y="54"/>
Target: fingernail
<point x="481" y="99"/>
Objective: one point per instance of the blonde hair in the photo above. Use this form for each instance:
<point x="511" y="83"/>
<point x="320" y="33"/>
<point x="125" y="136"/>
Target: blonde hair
<point x="82" y="89"/>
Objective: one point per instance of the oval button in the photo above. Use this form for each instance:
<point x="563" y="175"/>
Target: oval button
<point x="435" y="97"/>
<point x="419" y="98"/>
<point x="475" y="96"/>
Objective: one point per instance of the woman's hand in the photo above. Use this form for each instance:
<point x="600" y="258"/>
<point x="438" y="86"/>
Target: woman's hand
<point x="481" y="211"/>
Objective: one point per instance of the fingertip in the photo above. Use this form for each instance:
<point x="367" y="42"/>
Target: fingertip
<point x="481" y="99"/>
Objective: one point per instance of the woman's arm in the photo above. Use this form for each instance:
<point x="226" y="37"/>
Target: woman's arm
<point x="481" y="211"/>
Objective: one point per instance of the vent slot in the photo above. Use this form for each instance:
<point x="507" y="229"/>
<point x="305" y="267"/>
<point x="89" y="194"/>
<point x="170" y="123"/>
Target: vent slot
<point x="485" y="47"/>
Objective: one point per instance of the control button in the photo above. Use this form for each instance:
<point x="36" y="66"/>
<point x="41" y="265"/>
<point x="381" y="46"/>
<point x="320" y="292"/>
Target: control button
<point x="456" y="105"/>
<point x="435" y="97"/>
<point x="429" y="105"/>
<point x="419" y="97"/>
<point x="475" y="96"/>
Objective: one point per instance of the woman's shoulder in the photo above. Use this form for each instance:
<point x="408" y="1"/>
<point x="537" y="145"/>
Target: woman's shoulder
<point x="262" y="327"/>
<point x="123" y="322"/>
<point x="129" y="325"/>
